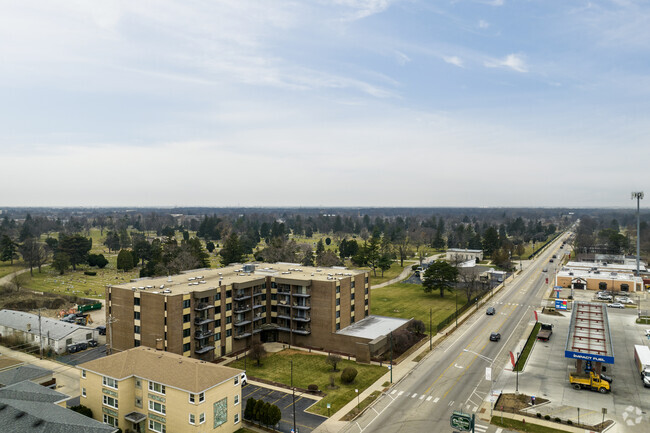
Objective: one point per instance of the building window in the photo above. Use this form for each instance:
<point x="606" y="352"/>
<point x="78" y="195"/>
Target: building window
<point x="217" y="297"/>
<point x="186" y="347"/>
<point x="338" y="314"/>
<point x="217" y="336"/>
<point x="228" y="294"/>
<point x="110" y="401"/>
<point x="136" y="329"/>
<point x="338" y="289"/>
<point x="157" y="407"/>
<point x="274" y="297"/>
<point x="186" y="303"/>
<point x="352" y="284"/>
<point x="366" y="312"/>
<point x="352" y="296"/>
<point x="352" y="319"/>
<point x="186" y="318"/>
<point x="138" y="383"/>
<point x="191" y="398"/>
<point x="236" y="418"/>
<point x="186" y="332"/>
<point x="111" y="383"/>
<point x="201" y="418"/>
<point x="228" y="332"/>
<point x="83" y="392"/>
<point x="136" y="343"/>
<point x="366" y="280"/>
<point x="157" y="387"/>
<point x="192" y="421"/>
<point x="366" y="290"/>
<point x="202" y="397"/>
<point x="366" y="302"/>
<point x="236" y="399"/>
<point x="110" y="420"/>
<point x="217" y="310"/>
<point x="83" y="373"/>
<point x="236" y="380"/>
<point x="156" y="426"/>
<point x="228" y="319"/>
<point x="338" y="326"/>
<point x="274" y="285"/>
<point x="217" y="323"/>
<point x="136" y="315"/>
<point x="338" y="301"/>
<point x="138" y="402"/>
<point x="229" y="306"/>
<point x="264" y="297"/>
<point x="136" y="301"/>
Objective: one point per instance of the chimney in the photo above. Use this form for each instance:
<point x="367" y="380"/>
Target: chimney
<point x="159" y="344"/>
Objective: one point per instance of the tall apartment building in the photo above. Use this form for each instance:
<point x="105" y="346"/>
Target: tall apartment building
<point x="212" y="312"/>
<point x="148" y="390"/>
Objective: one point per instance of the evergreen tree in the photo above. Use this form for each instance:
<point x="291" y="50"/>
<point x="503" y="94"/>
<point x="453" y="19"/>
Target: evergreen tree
<point x="231" y="251"/>
<point x="125" y="260"/>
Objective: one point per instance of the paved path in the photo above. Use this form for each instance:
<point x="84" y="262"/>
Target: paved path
<point x="406" y="273"/>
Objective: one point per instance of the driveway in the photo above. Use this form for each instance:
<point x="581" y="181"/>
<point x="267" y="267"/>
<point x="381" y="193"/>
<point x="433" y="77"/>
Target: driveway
<point x="305" y="422"/>
<point x="84" y="356"/>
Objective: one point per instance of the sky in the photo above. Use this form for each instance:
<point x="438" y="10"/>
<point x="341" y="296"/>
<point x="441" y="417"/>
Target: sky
<point x="322" y="103"/>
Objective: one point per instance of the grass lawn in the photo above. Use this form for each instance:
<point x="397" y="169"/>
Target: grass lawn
<point x="643" y="320"/>
<point x="311" y="369"/>
<point x="389" y="274"/>
<point x="519" y="426"/>
<point x="76" y="283"/>
<point x="7" y="268"/>
<point x="528" y="347"/>
<point x="409" y="300"/>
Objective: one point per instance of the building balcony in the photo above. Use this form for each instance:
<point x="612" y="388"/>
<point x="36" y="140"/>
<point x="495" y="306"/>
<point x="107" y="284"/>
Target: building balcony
<point x="304" y="331"/>
<point x="302" y="306"/>
<point x="200" y="335"/>
<point x="302" y="318"/>
<point x="302" y="294"/>
<point x="258" y="292"/>
<point x="243" y="322"/>
<point x="203" y="349"/>
<point x="201" y="306"/>
<point x="198" y="321"/>
<point x="241" y="296"/>
<point x="284" y="291"/>
<point x="240" y="335"/>
<point x="258" y="306"/>
<point x="260" y="317"/>
<point x="241" y="308"/>
<point x="282" y="315"/>
<point x="284" y="328"/>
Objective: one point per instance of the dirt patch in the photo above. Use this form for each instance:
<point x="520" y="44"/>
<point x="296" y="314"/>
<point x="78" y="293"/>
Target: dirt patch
<point x="551" y="312"/>
<point x="25" y="300"/>
<point x="516" y="402"/>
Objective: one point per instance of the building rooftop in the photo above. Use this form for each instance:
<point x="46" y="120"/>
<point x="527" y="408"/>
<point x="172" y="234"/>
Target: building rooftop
<point x="604" y="275"/>
<point x="589" y="337"/>
<point x="22" y="372"/>
<point x="169" y="369"/>
<point x="28" y="416"/>
<point x="609" y="267"/>
<point x="462" y="250"/>
<point x="8" y="362"/>
<point x="372" y="327"/>
<point x="30" y="391"/>
<point x="207" y="279"/>
<point x="27" y="322"/>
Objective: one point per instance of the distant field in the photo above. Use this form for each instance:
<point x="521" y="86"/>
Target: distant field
<point x="76" y="283"/>
<point x="6" y="268"/>
<point x="405" y="301"/>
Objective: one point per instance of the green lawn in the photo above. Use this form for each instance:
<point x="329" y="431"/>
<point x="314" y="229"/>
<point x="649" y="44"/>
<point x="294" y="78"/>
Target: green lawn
<point x="312" y="369"/>
<point x="409" y="300"/>
<point x="389" y="274"/>
<point x="528" y="347"/>
<point x="7" y="268"/>
<point x="519" y="426"/>
<point x="76" y="283"/>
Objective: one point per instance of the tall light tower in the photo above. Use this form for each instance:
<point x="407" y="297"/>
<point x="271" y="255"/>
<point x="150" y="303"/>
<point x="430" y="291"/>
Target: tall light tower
<point x="638" y="196"/>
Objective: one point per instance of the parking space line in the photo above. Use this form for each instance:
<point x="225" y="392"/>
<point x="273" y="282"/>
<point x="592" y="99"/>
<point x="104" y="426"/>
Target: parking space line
<point x="429" y="398"/>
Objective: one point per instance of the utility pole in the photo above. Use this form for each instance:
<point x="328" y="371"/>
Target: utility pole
<point x="517" y="368"/>
<point x="638" y="196"/>
<point x="40" y="334"/>
<point x="391" y="356"/>
<point x="293" y="396"/>
<point x="430" y="329"/>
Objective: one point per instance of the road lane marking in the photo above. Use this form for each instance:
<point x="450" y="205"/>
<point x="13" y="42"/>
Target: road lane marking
<point x="422" y="397"/>
<point x="400" y="393"/>
<point x="429" y="398"/>
<point x="451" y="403"/>
<point x="394" y="391"/>
<point x="474" y="410"/>
<point x="414" y="395"/>
<point x="499" y="430"/>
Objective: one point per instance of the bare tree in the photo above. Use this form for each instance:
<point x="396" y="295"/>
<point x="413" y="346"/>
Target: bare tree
<point x="34" y="254"/>
<point x="333" y="360"/>
<point x="257" y="352"/>
<point x="470" y="281"/>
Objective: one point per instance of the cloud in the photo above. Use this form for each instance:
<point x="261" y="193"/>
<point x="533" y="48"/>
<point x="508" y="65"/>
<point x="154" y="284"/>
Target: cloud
<point x="402" y="58"/>
<point x="494" y="2"/>
<point x="482" y="24"/>
<point x="454" y="60"/>
<point x="363" y="8"/>
<point x="512" y="61"/>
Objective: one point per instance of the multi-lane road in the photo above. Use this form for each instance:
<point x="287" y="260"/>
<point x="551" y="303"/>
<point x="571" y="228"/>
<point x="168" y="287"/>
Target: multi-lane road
<point x="453" y="376"/>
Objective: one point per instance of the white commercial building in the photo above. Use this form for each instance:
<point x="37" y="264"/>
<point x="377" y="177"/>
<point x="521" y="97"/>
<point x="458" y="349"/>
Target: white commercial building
<point x="57" y="335"/>
<point x="463" y="255"/>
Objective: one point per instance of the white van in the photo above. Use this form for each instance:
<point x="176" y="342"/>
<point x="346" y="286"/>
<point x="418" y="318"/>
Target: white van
<point x="243" y="379"/>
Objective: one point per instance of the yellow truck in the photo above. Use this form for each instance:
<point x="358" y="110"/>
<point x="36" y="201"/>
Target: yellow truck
<point x="589" y="380"/>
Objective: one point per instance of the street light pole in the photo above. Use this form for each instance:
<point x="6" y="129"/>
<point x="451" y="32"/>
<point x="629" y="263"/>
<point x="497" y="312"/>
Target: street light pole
<point x="293" y="396"/>
<point x="517" y="369"/>
<point x="391" y="356"/>
<point x="430" y="328"/>
<point x="638" y="196"/>
<point x="456" y="296"/>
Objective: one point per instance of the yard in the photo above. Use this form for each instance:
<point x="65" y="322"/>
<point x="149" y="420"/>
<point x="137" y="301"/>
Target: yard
<point x="389" y="274"/>
<point x="6" y="268"/>
<point x="310" y="369"/>
<point x="409" y="300"/>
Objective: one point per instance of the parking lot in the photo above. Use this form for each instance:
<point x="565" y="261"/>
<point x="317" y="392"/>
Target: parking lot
<point x="305" y="422"/>
<point x="83" y="356"/>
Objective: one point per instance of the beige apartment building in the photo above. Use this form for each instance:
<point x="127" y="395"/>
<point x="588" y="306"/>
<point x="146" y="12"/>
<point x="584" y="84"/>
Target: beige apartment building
<point x="208" y="313"/>
<point x="148" y="390"/>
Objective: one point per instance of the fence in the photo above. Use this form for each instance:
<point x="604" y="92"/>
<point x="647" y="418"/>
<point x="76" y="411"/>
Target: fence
<point x="452" y="317"/>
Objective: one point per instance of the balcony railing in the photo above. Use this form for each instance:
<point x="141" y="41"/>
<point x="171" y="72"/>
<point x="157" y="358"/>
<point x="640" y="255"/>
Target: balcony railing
<point x="198" y="321"/>
<point x="200" y="335"/>
<point x="242" y="308"/>
<point x="242" y="335"/>
<point x="302" y="294"/>
<point x="302" y="318"/>
<point x="203" y="349"/>
<point x="305" y="331"/>
<point x="303" y="306"/>
<point x="240" y="296"/>
<point x="242" y="322"/>
<point x="203" y="306"/>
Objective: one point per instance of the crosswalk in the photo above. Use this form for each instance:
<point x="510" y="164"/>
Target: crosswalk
<point x="512" y="304"/>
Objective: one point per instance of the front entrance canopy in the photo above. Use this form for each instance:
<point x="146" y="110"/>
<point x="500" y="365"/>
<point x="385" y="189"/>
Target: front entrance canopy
<point x="589" y="337"/>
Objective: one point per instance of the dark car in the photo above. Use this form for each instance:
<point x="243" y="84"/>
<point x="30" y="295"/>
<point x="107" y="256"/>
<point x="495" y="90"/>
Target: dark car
<point x="495" y="336"/>
<point x="101" y="330"/>
<point x="490" y="311"/>
<point x="82" y="346"/>
<point x="72" y="348"/>
<point x="92" y="343"/>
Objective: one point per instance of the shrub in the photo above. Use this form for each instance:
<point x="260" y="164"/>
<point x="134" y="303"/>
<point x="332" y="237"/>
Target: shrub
<point x="348" y="375"/>
<point x="557" y="419"/>
<point x="313" y="387"/>
<point x="333" y="359"/>
<point x="539" y="415"/>
<point x="97" y="260"/>
<point x="275" y="415"/>
<point x="83" y="410"/>
<point x="250" y="408"/>
<point x="417" y="327"/>
<point x="569" y="422"/>
<point x="547" y="417"/>
<point x="90" y="273"/>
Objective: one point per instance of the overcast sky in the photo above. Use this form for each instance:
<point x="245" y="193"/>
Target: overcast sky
<point x="324" y="102"/>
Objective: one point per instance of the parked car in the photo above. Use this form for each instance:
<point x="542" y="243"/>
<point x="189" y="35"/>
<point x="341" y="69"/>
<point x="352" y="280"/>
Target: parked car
<point x="495" y="336"/>
<point x="82" y="346"/>
<point x="101" y="330"/>
<point x="545" y="270"/>
<point x="92" y="343"/>
<point x="490" y="311"/>
<point x="624" y="300"/>
<point x="616" y="305"/>
<point x="72" y="348"/>
<point x="605" y="297"/>
<point x="647" y="332"/>
<point x="550" y="261"/>
<point x="243" y="379"/>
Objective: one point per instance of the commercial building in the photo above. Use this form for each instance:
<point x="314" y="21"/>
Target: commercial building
<point x="148" y="390"/>
<point x="209" y="313"/>
<point x="463" y="255"/>
<point x="598" y="276"/>
<point x="56" y="334"/>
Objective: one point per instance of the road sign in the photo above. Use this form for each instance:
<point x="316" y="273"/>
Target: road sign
<point x="461" y="421"/>
<point x="561" y="304"/>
